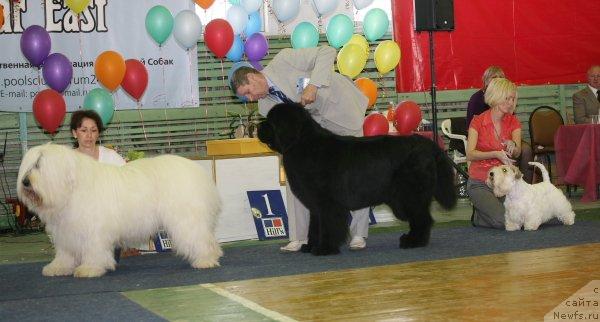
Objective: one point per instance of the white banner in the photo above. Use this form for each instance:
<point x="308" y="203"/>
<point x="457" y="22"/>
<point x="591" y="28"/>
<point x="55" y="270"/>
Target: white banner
<point x="104" y="25"/>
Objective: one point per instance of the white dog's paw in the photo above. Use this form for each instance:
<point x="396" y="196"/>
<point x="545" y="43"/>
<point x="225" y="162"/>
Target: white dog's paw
<point x="55" y="270"/>
<point x="209" y="263"/>
<point x="512" y="227"/>
<point x="534" y="226"/>
<point x="89" y="271"/>
<point x="569" y="220"/>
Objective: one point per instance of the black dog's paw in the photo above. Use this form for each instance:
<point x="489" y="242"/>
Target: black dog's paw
<point x="305" y="248"/>
<point x="410" y="241"/>
<point x="325" y="250"/>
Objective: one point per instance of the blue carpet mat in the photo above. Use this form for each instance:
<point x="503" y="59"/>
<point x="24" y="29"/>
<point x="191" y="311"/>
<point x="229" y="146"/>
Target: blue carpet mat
<point x="24" y="289"/>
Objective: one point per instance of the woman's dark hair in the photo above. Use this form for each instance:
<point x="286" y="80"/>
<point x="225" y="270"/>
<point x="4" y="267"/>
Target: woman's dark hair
<point x="77" y="118"/>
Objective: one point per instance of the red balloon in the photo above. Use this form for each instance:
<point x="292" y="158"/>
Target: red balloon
<point x="135" y="79"/>
<point x="375" y="124"/>
<point x="49" y="109"/>
<point x="407" y="117"/>
<point x="218" y="36"/>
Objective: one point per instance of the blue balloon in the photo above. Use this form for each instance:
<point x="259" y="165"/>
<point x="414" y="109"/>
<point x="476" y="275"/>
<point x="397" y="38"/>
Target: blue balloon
<point x="254" y="24"/>
<point x="234" y="67"/>
<point x="236" y="52"/>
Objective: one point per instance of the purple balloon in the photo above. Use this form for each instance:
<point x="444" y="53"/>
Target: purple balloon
<point x="35" y="44"/>
<point x="256" y="47"/>
<point x="257" y="65"/>
<point x="57" y="72"/>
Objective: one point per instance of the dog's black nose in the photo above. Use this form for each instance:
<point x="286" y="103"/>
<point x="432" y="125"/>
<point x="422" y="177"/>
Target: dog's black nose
<point x="491" y="174"/>
<point x="26" y="182"/>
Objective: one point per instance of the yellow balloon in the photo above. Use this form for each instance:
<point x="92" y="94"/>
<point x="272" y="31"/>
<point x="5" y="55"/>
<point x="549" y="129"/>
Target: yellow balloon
<point x="387" y="56"/>
<point x="351" y="60"/>
<point x="361" y="41"/>
<point x="77" y="5"/>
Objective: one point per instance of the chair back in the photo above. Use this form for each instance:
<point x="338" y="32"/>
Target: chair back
<point x="543" y="124"/>
<point x="455" y="128"/>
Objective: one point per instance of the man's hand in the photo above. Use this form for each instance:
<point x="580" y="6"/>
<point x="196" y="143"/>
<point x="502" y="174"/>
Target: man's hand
<point x="309" y="94"/>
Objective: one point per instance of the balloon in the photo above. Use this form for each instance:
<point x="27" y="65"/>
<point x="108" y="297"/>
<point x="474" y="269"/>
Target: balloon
<point x="101" y="102"/>
<point x="237" y="18"/>
<point x="205" y="4"/>
<point x="234" y="67"/>
<point x="257" y="65"/>
<point x="49" y="109"/>
<point x="305" y="35"/>
<point x="254" y="24"/>
<point x="375" y="124"/>
<point x="367" y="87"/>
<point x="339" y="30"/>
<point x="135" y="79"/>
<point x="361" y="41"/>
<point x="159" y="23"/>
<point x="324" y="7"/>
<point x="236" y="52"/>
<point x="376" y="24"/>
<point x="1" y="16"/>
<point x="407" y="117"/>
<point x="218" y="36"/>
<point x="351" y="60"/>
<point x="77" y="6"/>
<point x="57" y="72"/>
<point x="360" y="4"/>
<point x="286" y="10"/>
<point x="256" y="47"/>
<point x="387" y="56"/>
<point x="251" y="5"/>
<point x="35" y="44"/>
<point x="110" y="69"/>
<point x="188" y="28"/>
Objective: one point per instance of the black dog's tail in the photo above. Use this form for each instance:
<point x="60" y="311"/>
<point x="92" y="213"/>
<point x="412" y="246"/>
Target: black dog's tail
<point x="444" y="189"/>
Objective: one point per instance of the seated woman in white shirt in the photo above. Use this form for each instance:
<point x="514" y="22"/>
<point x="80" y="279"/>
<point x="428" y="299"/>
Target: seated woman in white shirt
<point x="86" y="126"/>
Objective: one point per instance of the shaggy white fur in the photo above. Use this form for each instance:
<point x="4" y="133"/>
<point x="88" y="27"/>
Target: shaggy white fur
<point x="528" y="205"/>
<point x="90" y="207"/>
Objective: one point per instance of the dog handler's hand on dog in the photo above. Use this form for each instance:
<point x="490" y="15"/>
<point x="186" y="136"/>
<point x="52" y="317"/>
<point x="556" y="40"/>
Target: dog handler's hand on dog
<point x="309" y="94"/>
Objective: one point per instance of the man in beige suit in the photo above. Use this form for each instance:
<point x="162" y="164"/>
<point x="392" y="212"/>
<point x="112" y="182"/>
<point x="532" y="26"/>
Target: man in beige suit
<point x="586" y="101"/>
<point x="306" y="75"/>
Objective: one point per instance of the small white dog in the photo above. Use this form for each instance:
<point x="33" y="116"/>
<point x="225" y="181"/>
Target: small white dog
<point x="528" y="205"/>
<point x="90" y="207"/>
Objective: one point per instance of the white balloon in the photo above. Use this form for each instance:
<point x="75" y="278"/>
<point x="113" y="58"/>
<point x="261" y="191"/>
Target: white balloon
<point x="251" y="5"/>
<point x="237" y="18"/>
<point x="359" y="4"/>
<point x="286" y="10"/>
<point x="187" y="28"/>
<point x="324" y="7"/>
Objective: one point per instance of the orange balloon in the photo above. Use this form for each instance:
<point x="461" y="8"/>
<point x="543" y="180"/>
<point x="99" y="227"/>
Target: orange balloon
<point x="110" y="69"/>
<point x="369" y="88"/>
<point x="1" y="16"/>
<point x="205" y="4"/>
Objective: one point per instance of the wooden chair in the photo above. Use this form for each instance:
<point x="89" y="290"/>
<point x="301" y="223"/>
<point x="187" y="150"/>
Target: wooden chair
<point x="544" y="121"/>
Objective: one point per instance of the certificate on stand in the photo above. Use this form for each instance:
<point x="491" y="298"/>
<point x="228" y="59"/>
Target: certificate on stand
<point x="268" y="212"/>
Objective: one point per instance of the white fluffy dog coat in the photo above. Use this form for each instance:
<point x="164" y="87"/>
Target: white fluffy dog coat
<point x="528" y="205"/>
<point x="90" y="207"/>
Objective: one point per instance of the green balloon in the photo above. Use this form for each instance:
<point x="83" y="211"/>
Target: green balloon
<point x="159" y="23"/>
<point x="305" y="35"/>
<point x="339" y="30"/>
<point x="100" y="101"/>
<point x="376" y="24"/>
<point x="234" y="2"/>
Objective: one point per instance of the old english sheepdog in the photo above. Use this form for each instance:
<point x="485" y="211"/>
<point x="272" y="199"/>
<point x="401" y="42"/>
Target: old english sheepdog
<point x="528" y="205"/>
<point x="90" y="207"/>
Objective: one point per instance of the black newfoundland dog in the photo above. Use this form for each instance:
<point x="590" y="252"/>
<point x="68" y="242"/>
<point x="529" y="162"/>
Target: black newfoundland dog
<point x="333" y="174"/>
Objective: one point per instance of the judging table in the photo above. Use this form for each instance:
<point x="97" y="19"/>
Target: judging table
<point x="578" y="157"/>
